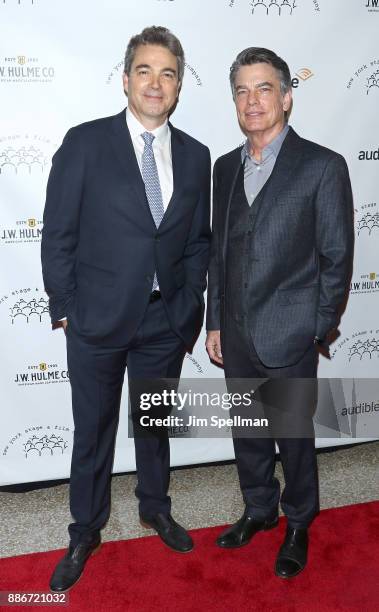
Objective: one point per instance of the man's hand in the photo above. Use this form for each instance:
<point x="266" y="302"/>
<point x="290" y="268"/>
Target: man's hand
<point x="213" y="344"/>
<point x="60" y="324"/>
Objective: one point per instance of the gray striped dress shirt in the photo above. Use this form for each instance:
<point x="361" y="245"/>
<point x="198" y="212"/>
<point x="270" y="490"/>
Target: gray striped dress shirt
<point x="257" y="173"/>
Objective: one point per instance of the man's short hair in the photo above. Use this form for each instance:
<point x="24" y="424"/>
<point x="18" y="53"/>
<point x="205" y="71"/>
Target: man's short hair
<point x="257" y="55"/>
<point x="155" y="35"/>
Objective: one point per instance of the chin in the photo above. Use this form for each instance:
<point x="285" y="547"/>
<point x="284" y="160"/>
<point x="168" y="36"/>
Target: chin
<point x="256" y="125"/>
<point x="153" y="111"/>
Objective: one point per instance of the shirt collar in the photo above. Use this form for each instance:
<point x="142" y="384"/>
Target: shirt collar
<point x="161" y="133"/>
<point x="272" y="148"/>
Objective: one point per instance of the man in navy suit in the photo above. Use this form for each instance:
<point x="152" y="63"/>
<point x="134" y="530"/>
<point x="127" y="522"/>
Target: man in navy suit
<point x="125" y="250"/>
<point x="280" y="265"/>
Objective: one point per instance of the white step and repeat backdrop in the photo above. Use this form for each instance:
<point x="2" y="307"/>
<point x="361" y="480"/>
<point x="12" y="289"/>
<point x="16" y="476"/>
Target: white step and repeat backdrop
<point x="61" y="64"/>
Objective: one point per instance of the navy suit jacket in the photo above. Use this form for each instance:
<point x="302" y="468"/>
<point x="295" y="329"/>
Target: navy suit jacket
<point x="100" y="246"/>
<point x="301" y="249"/>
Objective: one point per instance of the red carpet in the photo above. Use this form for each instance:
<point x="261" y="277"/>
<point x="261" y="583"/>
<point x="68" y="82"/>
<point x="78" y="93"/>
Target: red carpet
<point x="143" y="575"/>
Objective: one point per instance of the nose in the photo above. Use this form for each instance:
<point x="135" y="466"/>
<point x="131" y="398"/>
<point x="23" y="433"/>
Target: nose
<point x="155" y="82"/>
<point x="252" y="97"/>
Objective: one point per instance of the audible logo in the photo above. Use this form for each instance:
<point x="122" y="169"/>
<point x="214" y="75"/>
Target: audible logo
<point x="303" y="74"/>
<point x="369" y="155"/>
<point x="361" y="408"/>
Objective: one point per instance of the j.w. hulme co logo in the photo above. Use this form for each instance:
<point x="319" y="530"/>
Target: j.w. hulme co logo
<point x="41" y="374"/>
<point x="372" y="6"/>
<point x="25" y="69"/>
<point x="23" y="231"/>
<point x="366" y="283"/>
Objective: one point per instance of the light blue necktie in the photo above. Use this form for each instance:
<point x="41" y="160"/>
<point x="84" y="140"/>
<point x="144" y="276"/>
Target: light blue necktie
<point x="152" y="185"/>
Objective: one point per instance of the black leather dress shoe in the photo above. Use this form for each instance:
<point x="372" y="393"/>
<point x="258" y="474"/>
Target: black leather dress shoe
<point x="292" y="556"/>
<point x="70" y="568"/>
<point x="170" y="532"/>
<point x="243" y="530"/>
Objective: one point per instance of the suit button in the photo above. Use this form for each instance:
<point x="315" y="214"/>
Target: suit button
<point x="157" y="239"/>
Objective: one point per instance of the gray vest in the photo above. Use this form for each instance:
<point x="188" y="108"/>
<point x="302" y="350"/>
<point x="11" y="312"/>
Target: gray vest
<point x="239" y="262"/>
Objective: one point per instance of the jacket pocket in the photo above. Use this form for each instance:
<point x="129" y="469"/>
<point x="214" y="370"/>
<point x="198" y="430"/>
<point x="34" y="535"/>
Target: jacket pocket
<point x="300" y="295"/>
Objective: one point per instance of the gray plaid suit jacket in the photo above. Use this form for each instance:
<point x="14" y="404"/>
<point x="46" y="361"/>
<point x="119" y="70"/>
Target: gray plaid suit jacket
<point x="301" y="251"/>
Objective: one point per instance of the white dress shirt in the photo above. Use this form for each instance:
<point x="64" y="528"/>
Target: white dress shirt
<point x="161" y="149"/>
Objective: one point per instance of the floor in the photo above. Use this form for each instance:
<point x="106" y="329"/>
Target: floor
<point x="201" y="496"/>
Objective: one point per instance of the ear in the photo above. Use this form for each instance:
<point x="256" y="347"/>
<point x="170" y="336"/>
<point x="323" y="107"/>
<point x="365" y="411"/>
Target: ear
<point x="287" y="100"/>
<point x="125" y="80"/>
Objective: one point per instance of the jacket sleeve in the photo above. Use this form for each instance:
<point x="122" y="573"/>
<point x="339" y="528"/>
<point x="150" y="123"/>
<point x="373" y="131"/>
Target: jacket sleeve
<point x="334" y="241"/>
<point x="61" y="224"/>
<point x="213" y="301"/>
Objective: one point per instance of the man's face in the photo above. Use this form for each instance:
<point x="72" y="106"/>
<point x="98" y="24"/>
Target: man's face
<point x="259" y="102"/>
<point x="152" y="85"/>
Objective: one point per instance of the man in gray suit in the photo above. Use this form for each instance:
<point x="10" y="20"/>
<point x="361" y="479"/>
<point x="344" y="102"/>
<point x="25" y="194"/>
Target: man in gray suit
<point x="280" y="267"/>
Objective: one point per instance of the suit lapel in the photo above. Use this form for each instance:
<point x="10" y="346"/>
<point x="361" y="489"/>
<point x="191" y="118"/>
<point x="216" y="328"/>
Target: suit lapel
<point x="282" y="173"/>
<point x="235" y="166"/>
<point x="178" y="155"/>
<point x="124" y="150"/>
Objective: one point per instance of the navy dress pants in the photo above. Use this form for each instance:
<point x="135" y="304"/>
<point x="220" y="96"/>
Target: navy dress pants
<point x="96" y="377"/>
<point x="255" y="455"/>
